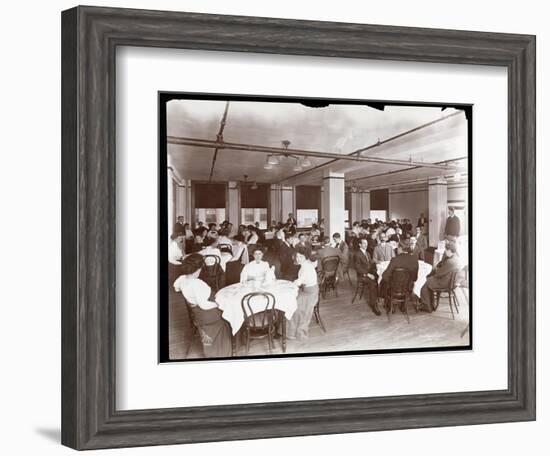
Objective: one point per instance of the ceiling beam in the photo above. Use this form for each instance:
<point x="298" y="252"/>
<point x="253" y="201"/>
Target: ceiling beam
<point x="183" y="141"/>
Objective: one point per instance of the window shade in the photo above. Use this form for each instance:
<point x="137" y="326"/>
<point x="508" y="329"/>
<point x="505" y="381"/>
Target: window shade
<point x="210" y="196"/>
<point x="308" y="197"/>
<point x="379" y="200"/>
<point x="254" y="198"/>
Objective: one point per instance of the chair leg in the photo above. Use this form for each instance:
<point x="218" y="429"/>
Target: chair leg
<point x="317" y="313"/>
<point x="455" y="299"/>
<point x="247" y="340"/>
<point x="437" y="295"/>
<point x="451" y="305"/>
<point x="283" y="331"/>
<point x="358" y="290"/>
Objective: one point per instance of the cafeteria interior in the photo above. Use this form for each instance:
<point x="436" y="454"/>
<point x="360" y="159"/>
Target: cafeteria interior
<point x="326" y="198"/>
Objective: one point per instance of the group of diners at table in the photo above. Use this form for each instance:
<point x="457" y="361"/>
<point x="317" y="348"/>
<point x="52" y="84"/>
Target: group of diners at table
<point x="215" y="267"/>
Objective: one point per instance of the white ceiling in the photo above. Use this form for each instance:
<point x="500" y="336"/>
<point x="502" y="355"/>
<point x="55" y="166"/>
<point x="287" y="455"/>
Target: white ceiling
<point x="339" y="129"/>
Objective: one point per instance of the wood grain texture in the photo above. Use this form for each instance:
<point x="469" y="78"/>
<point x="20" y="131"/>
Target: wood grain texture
<point x="89" y="39"/>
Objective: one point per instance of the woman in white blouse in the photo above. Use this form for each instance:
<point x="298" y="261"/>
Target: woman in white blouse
<point x="258" y="270"/>
<point x="175" y="254"/>
<point x="214" y="331"/>
<point x="308" y="294"/>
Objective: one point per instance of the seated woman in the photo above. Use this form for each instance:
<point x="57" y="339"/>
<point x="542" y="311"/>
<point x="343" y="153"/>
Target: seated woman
<point x="308" y="295"/>
<point x="175" y="254"/>
<point x="200" y="234"/>
<point x="315" y="231"/>
<point x="258" y="270"/>
<point x="214" y="331"/>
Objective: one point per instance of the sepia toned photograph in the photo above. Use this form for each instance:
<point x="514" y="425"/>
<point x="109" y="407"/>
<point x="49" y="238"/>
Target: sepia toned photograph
<point x="312" y="227"/>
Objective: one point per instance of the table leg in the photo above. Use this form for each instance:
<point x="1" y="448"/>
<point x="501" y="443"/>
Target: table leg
<point x="234" y="344"/>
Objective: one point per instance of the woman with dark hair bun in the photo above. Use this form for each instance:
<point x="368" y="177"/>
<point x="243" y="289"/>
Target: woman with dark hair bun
<point x="214" y="331"/>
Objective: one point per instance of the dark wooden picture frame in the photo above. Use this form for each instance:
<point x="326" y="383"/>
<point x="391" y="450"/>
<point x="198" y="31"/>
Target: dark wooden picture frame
<point x="90" y="36"/>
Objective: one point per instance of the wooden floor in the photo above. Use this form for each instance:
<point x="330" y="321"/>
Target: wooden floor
<point x="349" y="327"/>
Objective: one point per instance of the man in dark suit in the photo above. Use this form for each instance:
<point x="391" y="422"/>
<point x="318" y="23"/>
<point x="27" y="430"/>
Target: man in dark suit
<point x="179" y="226"/>
<point x="440" y="276"/>
<point x="404" y="260"/>
<point x="452" y="226"/>
<point x="366" y="271"/>
<point x="285" y="254"/>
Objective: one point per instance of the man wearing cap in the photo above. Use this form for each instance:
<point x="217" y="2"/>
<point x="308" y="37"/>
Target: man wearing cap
<point x="440" y="276"/>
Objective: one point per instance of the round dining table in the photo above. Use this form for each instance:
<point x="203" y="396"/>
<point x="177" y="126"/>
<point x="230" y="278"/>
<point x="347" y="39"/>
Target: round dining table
<point x="423" y="270"/>
<point x="229" y="300"/>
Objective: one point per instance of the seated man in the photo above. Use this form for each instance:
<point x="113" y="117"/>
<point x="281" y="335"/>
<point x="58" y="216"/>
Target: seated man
<point x="440" y="276"/>
<point x="339" y="244"/>
<point x="326" y="251"/>
<point x="383" y="251"/>
<point x="366" y="272"/>
<point x="404" y="260"/>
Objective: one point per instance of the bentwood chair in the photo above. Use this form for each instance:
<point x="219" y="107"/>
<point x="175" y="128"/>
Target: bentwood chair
<point x="195" y="329"/>
<point x="212" y="272"/>
<point x="317" y="315"/>
<point x="227" y="248"/>
<point x="448" y="292"/>
<point x="399" y="292"/>
<point x="263" y="324"/>
<point x="329" y="274"/>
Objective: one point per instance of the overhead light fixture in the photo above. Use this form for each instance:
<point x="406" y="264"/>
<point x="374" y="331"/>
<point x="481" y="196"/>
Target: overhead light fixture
<point x="305" y="162"/>
<point x="273" y="160"/>
<point x="254" y="186"/>
<point x="268" y="165"/>
<point x="297" y="166"/>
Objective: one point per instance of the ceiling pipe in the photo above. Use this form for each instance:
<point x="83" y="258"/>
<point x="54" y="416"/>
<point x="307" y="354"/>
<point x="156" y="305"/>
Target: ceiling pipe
<point x="271" y="150"/>
<point x="219" y="137"/>
<point x="379" y="143"/>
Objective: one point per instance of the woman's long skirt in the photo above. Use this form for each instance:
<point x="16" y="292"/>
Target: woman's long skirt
<point x="214" y="332"/>
<point x="298" y="326"/>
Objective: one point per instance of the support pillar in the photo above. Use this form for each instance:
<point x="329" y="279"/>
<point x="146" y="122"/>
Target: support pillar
<point x="233" y="204"/>
<point x="365" y="204"/>
<point x="334" y="202"/>
<point x="437" y="206"/>
<point x="275" y="204"/>
<point x="287" y="202"/>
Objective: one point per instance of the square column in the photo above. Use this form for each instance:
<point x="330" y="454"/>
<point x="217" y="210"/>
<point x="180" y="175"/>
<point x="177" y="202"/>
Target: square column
<point x="275" y="204"/>
<point x="437" y="207"/>
<point x="334" y="202"/>
<point x="365" y="204"/>
<point x="233" y="204"/>
<point x="183" y="200"/>
<point x="288" y="202"/>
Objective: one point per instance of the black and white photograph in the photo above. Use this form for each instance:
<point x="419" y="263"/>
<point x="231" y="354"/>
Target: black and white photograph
<point x="295" y="227"/>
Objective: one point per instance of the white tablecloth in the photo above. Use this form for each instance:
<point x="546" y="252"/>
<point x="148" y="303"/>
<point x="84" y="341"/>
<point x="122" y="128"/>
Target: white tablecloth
<point x="229" y="300"/>
<point x="423" y="270"/>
